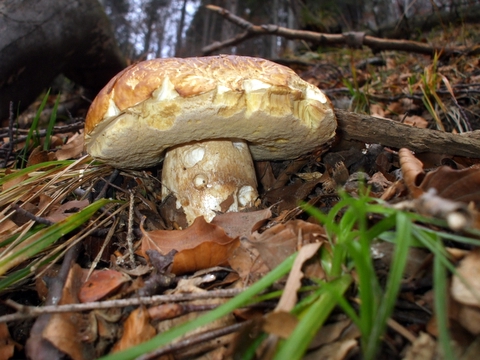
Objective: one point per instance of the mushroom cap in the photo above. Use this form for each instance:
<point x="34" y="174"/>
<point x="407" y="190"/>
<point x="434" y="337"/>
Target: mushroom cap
<point x="160" y="103"/>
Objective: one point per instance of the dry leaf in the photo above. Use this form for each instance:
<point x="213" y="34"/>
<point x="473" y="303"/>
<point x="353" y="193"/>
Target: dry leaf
<point x="63" y="330"/>
<point x="65" y="210"/>
<point x="424" y="348"/>
<point x="280" y="323"/>
<point x="469" y="318"/>
<point x="459" y="185"/>
<point x="247" y="262"/>
<point x="200" y="246"/>
<point x="416" y="121"/>
<point x="282" y="240"/>
<point x="72" y="149"/>
<point x="136" y="330"/>
<point x="37" y="156"/>
<point x="377" y="110"/>
<point x="100" y="284"/>
<point x="289" y="296"/>
<point x="7" y="347"/>
<point x="335" y="351"/>
<point x="330" y="333"/>
<point x="412" y="170"/>
<point x="469" y="270"/>
<point x="241" y="224"/>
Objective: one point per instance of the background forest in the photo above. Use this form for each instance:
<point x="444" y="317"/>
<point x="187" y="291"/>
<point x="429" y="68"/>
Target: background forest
<point x="161" y="28"/>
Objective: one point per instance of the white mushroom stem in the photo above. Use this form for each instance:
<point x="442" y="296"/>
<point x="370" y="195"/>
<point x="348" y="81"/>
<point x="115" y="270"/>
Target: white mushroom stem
<point x="208" y="177"/>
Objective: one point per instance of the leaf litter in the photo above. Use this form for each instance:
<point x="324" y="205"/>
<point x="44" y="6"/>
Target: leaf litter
<point x="412" y="89"/>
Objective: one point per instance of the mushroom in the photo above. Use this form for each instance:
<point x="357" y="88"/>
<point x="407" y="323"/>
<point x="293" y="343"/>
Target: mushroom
<point x="207" y="117"/>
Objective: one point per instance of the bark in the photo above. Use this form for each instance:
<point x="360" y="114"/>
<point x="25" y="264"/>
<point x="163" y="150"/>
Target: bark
<point x="393" y="134"/>
<point x="43" y="38"/>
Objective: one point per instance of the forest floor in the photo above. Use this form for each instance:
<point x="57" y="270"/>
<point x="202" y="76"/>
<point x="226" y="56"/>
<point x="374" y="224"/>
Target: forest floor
<point x="63" y="199"/>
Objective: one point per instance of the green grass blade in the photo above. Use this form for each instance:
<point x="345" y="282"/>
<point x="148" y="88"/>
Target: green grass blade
<point x="238" y="301"/>
<point x="397" y="267"/>
<point x="33" y="128"/>
<point x="36" y="167"/>
<point x="312" y="319"/>
<point x="42" y="239"/>
<point x="441" y="307"/>
<point x="51" y="124"/>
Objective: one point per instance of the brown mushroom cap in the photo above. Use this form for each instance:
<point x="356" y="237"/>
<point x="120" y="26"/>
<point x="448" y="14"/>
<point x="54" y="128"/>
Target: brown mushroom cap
<point x="157" y="104"/>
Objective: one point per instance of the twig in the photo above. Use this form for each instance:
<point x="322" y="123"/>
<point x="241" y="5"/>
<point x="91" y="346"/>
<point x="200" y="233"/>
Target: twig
<point x="24" y="312"/>
<point x="350" y="39"/>
<point x="29" y="215"/>
<point x="57" y="129"/>
<point x="374" y="130"/>
<point x="108" y="183"/>
<point x="130" y="235"/>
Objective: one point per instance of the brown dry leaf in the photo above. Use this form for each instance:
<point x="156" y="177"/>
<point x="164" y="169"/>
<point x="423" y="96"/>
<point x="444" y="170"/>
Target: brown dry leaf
<point x="280" y="323"/>
<point x="330" y="333"/>
<point x="289" y="296"/>
<point x="247" y="262"/>
<point x="7" y="227"/>
<point x="100" y="284"/>
<point x="7" y="347"/>
<point x="15" y="181"/>
<point x="282" y="240"/>
<point x="416" y="121"/>
<point x="65" y="210"/>
<point x="136" y="329"/>
<point x="469" y="318"/>
<point x="166" y="311"/>
<point x="241" y="224"/>
<point x="459" y="185"/>
<point x="469" y="270"/>
<point x="424" y="348"/>
<point x="200" y="246"/>
<point x="396" y="107"/>
<point x="335" y="351"/>
<point x="412" y="170"/>
<point x="265" y="174"/>
<point x="63" y="330"/>
<point x="37" y="156"/>
<point x="377" y="110"/>
<point x="72" y="149"/>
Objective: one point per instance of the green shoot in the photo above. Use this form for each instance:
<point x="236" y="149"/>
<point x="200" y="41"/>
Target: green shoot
<point x="33" y="129"/>
<point x="51" y="124"/>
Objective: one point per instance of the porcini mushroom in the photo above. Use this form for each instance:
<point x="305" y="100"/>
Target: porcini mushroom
<point x="207" y="117"/>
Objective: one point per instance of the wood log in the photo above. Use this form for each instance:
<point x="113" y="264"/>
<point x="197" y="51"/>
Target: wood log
<point x="43" y="38"/>
<point x="374" y="130"/>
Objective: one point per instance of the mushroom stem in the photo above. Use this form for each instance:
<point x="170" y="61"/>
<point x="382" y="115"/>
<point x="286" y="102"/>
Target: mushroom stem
<point x="208" y="177"/>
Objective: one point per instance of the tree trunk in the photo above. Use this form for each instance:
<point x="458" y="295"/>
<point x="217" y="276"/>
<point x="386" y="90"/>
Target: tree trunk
<point x="181" y="25"/>
<point x="43" y="38"/>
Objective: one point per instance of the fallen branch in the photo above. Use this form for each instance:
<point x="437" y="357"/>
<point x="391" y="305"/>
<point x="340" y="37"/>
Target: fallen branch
<point x="351" y="39"/>
<point x="374" y="130"/>
<point x="25" y="312"/>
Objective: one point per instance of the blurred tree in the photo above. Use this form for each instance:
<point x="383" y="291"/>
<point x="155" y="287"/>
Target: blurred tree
<point x="117" y="11"/>
<point x="148" y="28"/>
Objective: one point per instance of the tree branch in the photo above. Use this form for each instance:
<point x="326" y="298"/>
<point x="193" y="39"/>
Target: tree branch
<point x="351" y="39"/>
<point x="391" y="133"/>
